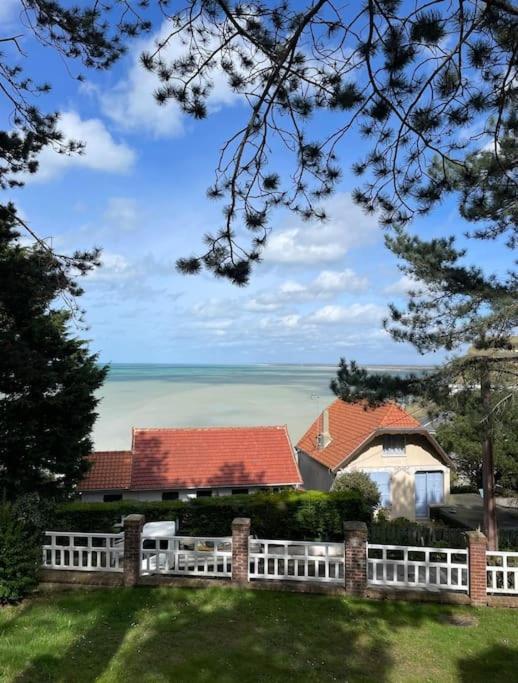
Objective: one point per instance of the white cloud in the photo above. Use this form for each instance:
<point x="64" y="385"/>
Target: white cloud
<point x="113" y="267"/>
<point x="217" y="325"/>
<point x="325" y="286"/>
<point x="102" y="152"/>
<point x="346" y="227"/>
<point x="117" y="268"/>
<point x="404" y="285"/>
<point x="122" y="212"/>
<point x="214" y="308"/>
<point x="261" y="305"/>
<point x="356" y="313"/>
<point x="331" y="281"/>
<point x="131" y="104"/>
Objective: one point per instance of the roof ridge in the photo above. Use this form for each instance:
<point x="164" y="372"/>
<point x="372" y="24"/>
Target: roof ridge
<point x="207" y="428"/>
<point x="396" y="413"/>
<point x="127" y="451"/>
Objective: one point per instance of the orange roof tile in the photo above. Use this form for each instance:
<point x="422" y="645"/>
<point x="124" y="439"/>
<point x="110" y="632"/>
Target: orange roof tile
<point x="350" y="424"/>
<point x="109" y="470"/>
<point x="207" y="457"/>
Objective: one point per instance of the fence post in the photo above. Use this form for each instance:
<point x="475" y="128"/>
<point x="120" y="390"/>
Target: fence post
<point x="240" y="537"/>
<point x="133" y="525"/>
<point x="355" y="549"/>
<point x="477" y="567"/>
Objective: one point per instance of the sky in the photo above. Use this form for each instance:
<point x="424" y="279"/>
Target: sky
<point x="139" y="193"/>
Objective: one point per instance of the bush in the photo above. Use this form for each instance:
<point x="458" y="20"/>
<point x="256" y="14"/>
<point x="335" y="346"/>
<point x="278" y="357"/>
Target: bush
<point x="358" y="482"/>
<point x="463" y="488"/>
<point x="20" y="554"/>
<point x="288" y="515"/>
<point x="402" y="531"/>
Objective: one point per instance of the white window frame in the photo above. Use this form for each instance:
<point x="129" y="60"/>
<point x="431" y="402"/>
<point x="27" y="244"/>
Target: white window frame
<point x="390" y="453"/>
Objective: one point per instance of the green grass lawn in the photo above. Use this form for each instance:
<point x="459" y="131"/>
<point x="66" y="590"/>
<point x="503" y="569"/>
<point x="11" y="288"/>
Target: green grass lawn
<point x="225" y="635"/>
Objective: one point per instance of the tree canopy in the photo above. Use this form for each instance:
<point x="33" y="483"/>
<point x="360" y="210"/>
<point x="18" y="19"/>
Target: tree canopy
<point x="460" y="436"/>
<point x="408" y="78"/>
<point x="427" y="85"/>
<point x="48" y="378"/>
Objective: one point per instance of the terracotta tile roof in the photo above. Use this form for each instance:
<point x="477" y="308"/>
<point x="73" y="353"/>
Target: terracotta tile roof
<point x="350" y="424"/>
<point x="208" y="457"/>
<point x="109" y="470"/>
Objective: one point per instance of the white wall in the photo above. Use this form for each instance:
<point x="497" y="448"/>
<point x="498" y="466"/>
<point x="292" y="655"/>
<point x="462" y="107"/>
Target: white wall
<point x="153" y="496"/>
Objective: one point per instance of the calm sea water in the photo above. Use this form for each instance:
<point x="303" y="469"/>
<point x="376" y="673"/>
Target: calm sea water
<point x="144" y="395"/>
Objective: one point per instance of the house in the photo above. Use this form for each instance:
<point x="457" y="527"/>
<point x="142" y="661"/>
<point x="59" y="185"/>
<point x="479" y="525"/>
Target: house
<point x="170" y="464"/>
<point x="410" y="468"/>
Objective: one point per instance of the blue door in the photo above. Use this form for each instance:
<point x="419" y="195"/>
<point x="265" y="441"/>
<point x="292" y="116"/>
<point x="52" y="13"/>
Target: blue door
<point x="382" y="481"/>
<point x="429" y="488"/>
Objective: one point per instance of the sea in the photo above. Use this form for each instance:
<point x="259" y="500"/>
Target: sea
<point x="152" y="395"/>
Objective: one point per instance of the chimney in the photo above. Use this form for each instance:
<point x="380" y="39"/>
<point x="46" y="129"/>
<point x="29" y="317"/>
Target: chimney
<point x="324" y="437"/>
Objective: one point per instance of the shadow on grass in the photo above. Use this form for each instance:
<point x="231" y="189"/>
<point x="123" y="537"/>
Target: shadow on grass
<point x="498" y="663"/>
<point x="210" y="635"/>
<point x="99" y="621"/>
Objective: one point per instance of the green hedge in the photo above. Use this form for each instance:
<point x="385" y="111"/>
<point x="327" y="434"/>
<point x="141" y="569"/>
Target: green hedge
<point x="288" y="515"/>
<point x="402" y="531"/>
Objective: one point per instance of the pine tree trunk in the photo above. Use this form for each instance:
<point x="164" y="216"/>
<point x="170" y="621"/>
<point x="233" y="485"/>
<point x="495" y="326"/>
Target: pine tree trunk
<point x="488" y="466"/>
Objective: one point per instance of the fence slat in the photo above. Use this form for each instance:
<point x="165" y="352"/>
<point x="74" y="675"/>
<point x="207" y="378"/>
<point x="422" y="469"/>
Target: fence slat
<point x="61" y="552"/>
<point x="209" y="556"/>
<point x="301" y="560"/>
<point x="405" y="572"/>
<point x="502" y="572"/>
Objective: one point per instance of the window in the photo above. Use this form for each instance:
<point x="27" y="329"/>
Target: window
<point x="382" y="481"/>
<point x="394" y="444"/>
<point x="170" y="495"/>
<point x="238" y="492"/>
<point x="203" y="493"/>
<point x="112" y="497"/>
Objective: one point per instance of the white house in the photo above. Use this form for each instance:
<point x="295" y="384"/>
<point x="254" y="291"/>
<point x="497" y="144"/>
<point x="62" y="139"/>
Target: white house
<point x="410" y="468"/>
<point x="170" y="464"/>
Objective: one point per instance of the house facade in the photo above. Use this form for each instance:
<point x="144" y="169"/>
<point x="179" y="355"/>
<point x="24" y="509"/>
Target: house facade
<point x="180" y="464"/>
<point x="406" y="462"/>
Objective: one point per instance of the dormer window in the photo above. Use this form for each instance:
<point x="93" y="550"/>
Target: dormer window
<point x="393" y="444"/>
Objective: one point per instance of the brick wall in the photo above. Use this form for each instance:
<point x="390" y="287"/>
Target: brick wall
<point x="240" y="536"/>
<point x="477" y="548"/>
<point x="133" y="525"/>
<point x="355" y="549"/>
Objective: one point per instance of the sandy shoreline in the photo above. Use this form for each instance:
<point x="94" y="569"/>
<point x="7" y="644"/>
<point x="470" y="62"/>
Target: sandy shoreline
<point x="126" y="405"/>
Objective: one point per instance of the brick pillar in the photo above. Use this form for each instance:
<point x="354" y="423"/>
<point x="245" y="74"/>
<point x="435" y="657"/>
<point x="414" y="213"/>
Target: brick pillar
<point x="355" y="548"/>
<point x="477" y="571"/>
<point x="132" y="548"/>
<point x="240" y="536"/>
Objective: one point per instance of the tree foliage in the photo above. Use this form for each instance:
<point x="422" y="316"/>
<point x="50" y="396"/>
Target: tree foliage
<point x="460" y="436"/>
<point x="47" y="376"/>
<point x="354" y="383"/>
<point x="358" y="482"/>
<point x="405" y="77"/>
<point x="20" y="555"/>
<point x="77" y="33"/>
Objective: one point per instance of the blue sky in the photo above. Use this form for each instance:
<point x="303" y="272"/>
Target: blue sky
<point x="139" y="193"/>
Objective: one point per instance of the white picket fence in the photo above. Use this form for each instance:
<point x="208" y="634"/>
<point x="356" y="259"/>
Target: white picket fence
<point x="203" y="556"/>
<point x="417" y="567"/>
<point x="83" y="552"/>
<point x="187" y="555"/>
<point x="296" y="561"/>
<point x="502" y="572"/>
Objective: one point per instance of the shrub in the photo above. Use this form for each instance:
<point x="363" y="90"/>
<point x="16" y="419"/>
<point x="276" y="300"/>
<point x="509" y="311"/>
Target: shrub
<point x="20" y="554"/>
<point x="401" y="531"/>
<point x="463" y="488"/>
<point x="358" y="482"/>
<point x="312" y="515"/>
